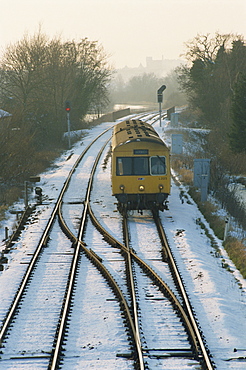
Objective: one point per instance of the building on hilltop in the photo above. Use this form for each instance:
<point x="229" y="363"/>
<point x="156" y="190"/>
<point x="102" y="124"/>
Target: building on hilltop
<point x="159" y="67"/>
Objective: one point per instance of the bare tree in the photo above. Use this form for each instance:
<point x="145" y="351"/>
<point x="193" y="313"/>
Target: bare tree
<point x="20" y="68"/>
<point x="39" y="75"/>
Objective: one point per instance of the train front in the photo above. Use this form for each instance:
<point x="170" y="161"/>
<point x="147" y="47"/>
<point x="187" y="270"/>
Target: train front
<point x="140" y="169"/>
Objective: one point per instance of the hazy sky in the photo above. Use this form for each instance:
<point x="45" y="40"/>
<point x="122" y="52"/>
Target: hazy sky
<point x="129" y="30"/>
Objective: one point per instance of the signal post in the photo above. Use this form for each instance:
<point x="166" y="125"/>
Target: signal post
<point x="68" y="108"/>
<point x="160" y="98"/>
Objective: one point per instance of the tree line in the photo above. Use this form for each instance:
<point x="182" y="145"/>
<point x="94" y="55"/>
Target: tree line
<point x="143" y="88"/>
<point x="214" y="79"/>
<point x="37" y="76"/>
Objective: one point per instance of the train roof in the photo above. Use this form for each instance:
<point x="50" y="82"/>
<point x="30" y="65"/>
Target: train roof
<point x="134" y="130"/>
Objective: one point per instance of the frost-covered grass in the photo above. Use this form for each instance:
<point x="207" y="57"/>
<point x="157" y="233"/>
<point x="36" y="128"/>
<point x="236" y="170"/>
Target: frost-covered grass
<point x="3" y="209"/>
<point x="195" y="145"/>
<point x="235" y="247"/>
<point x="237" y="253"/>
<point x="210" y="212"/>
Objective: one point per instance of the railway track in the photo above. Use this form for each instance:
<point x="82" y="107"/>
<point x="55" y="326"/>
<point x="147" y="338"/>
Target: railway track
<point x="53" y="245"/>
<point x="125" y="293"/>
<point x="197" y="350"/>
<point x="193" y="352"/>
<point x="194" y="332"/>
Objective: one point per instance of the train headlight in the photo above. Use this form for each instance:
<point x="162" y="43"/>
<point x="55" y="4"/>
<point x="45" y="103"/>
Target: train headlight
<point x="141" y="187"/>
<point x="161" y="187"/>
<point x="122" y="187"/>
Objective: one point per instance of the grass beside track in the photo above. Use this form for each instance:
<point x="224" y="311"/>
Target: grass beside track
<point x="234" y="247"/>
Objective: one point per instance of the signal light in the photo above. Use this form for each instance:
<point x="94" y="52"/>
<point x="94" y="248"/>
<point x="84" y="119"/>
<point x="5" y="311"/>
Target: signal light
<point x="67" y="106"/>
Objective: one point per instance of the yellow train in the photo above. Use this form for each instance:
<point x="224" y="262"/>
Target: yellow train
<point x="140" y="170"/>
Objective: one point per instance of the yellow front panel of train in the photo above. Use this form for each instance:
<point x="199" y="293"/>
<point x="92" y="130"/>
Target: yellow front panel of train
<point x="141" y="183"/>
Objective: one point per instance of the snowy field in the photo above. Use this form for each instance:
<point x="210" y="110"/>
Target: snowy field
<point x="218" y="295"/>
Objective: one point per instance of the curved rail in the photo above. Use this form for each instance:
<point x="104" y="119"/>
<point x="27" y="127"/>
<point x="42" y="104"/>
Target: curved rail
<point x="133" y="295"/>
<point x="190" y="314"/>
<point x="42" y="242"/>
<point x="188" y="318"/>
<point x="96" y="260"/>
<point x="68" y="296"/>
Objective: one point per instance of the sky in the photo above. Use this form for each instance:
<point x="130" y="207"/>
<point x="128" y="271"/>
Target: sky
<point x="128" y="30"/>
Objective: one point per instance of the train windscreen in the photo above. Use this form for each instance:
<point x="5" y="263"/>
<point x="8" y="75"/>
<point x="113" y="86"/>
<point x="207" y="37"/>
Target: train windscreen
<point x="126" y="166"/>
<point x="158" y="165"/>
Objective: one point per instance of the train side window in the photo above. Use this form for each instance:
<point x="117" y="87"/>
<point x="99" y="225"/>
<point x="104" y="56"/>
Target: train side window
<point x="140" y="166"/>
<point x="158" y="165"/>
<point x="123" y="166"/>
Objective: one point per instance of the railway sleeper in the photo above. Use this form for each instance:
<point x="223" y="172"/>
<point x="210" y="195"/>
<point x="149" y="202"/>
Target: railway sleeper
<point x="169" y="352"/>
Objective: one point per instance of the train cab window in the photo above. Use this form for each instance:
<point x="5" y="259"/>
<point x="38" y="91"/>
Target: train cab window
<point x="158" y="165"/>
<point x="126" y="166"/>
<point x="140" y="166"/>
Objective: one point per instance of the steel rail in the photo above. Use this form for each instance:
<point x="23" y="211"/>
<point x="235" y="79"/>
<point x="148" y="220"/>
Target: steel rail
<point x="68" y="296"/>
<point x="164" y="115"/>
<point x="194" y="333"/>
<point x="98" y="263"/>
<point x="41" y="243"/>
<point x="133" y="295"/>
<point x="190" y="314"/>
<point x="79" y="243"/>
<point x="154" y="276"/>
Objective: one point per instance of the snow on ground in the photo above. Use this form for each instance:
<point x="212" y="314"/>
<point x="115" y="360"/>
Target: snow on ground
<point x="218" y="295"/>
<point x="240" y="192"/>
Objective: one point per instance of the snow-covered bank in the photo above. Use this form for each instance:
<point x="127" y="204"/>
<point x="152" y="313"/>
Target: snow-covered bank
<point x="218" y="295"/>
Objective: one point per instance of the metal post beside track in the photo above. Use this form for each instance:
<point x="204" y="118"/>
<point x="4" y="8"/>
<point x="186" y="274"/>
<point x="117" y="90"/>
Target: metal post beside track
<point x="68" y="108"/>
<point x="160" y="98"/>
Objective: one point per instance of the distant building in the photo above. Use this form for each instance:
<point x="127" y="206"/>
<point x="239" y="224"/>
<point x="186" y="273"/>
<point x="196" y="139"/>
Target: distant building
<point x="159" y="67"/>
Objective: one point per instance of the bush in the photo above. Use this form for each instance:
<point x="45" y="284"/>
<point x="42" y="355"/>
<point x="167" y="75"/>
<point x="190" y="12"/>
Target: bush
<point x="209" y="212"/>
<point x="2" y="212"/>
<point x="12" y="194"/>
<point x="185" y="174"/>
<point x="237" y="253"/>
